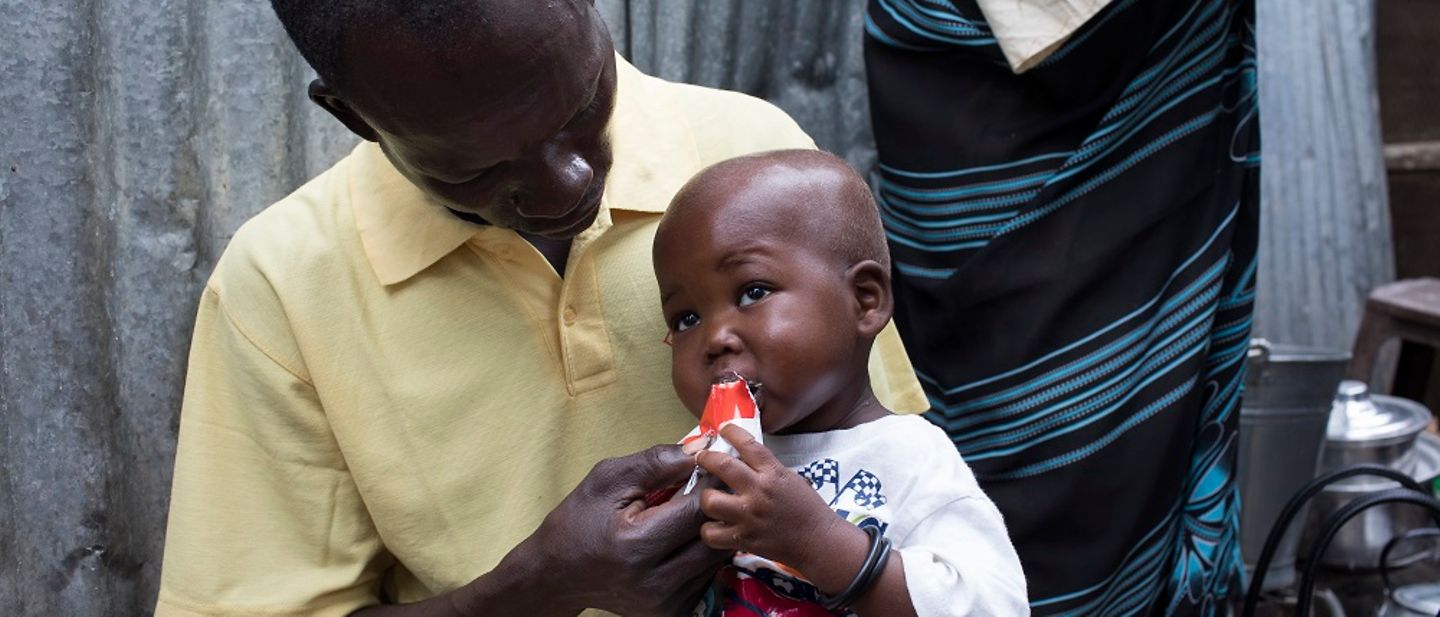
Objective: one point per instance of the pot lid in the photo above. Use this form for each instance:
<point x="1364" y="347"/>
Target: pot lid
<point x="1356" y="416"/>
<point x="1421" y="597"/>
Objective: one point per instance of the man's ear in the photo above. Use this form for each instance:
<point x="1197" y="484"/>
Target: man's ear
<point x="323" y="95"/>
<point x="870" y="282"/>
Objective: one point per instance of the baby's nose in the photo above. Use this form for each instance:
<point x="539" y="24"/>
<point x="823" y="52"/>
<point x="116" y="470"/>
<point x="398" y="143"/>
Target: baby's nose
<point x="722" y="340"/>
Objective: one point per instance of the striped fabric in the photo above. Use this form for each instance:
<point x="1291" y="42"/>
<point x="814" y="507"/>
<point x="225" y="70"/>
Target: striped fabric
<point x="1074" y="254"/>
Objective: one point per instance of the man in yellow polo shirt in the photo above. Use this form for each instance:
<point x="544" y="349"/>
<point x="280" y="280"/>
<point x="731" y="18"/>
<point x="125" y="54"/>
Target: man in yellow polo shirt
<point x="404" y="374"/>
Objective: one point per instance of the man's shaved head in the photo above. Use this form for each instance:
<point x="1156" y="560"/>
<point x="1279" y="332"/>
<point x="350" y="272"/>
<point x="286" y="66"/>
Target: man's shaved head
<point x="818" y="198"/>
<point x="319" y="27"/>
<point x="495" y="109"/>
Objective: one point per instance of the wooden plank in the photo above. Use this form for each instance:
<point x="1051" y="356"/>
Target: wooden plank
<point x="1416" y="156"/>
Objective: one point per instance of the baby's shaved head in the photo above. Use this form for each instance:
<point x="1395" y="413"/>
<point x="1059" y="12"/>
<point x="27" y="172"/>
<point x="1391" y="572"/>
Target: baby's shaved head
<point x="814" y="198"/>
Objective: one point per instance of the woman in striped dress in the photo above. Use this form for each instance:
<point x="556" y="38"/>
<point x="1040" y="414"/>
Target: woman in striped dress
<point x="1074" y="248"/>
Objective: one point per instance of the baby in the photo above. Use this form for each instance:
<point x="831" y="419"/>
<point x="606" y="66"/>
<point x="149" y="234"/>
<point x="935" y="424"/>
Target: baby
<point x="774" y="267"/>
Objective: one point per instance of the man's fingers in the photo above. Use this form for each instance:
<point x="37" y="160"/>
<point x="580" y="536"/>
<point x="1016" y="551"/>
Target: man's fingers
<point x="628" y="477"/>
<point x="699" y="563"/>
<point x="670" y="524"/>
<point x="661" y="466"/>
<point x="694" y="559"/>
<point x="694" y="591"/>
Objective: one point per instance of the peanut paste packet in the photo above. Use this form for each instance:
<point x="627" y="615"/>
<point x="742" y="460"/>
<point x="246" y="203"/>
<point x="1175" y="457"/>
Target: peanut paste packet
<point x="731" y="401"/>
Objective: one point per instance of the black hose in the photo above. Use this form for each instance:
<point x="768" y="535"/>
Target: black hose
<point x="1292" y="507"/>
<point x="1338" y="520"/>
<point x="1395" y="541"/>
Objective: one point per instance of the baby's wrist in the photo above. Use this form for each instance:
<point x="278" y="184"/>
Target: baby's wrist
<point x="831" y="558"/>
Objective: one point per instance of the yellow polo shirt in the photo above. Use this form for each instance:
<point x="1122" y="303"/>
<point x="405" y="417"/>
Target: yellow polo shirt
<point x="381" y="395"/>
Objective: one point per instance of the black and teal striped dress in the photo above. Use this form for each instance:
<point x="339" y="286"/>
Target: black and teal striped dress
<point x="1074" y="253"/>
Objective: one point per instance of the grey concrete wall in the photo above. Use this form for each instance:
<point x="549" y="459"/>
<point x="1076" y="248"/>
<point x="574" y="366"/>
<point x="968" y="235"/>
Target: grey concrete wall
<point x="136" y="135"/>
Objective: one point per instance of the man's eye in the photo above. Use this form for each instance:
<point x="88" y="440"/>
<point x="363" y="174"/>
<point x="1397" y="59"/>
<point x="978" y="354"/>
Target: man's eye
<point x="465" y="178"/>
<point x="686" y="321"/>
<point x="588" y="110"/>
<point x="593" y="106"/>
<point x="753" y="294"/>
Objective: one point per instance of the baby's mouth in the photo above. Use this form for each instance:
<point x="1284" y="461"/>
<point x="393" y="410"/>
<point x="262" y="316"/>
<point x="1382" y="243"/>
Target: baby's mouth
<point x="757" y="392"/>
<point x="756" y="387"/>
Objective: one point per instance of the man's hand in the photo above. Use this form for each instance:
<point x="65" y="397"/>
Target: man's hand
<point x="602" y="548"/>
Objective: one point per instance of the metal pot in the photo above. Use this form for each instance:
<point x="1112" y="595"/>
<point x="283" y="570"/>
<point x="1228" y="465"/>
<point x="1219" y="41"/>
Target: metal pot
<point x="1288" y="392"/>
<point x="1418" y="600"/>
<point x="1421" y="599"/>
<point x="1357" y="545"/>
<point x="1365" y="428"/>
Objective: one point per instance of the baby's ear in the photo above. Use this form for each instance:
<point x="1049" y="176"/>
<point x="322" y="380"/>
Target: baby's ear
<point x="870" y="283"/>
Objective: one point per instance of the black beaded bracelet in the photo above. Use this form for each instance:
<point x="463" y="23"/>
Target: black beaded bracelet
<point x="876" y="557"/>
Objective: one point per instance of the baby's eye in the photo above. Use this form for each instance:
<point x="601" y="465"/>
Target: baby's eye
<point x="686" y="321"/>
<point x="753" y="294"/>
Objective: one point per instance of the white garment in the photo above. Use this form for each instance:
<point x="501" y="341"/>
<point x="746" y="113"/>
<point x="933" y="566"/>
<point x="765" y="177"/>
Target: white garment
<point x="903" y="473"/>
<point x="1028" y="31"/>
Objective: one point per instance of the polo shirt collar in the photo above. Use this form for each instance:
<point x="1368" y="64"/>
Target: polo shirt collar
<point x="404" y="232"/>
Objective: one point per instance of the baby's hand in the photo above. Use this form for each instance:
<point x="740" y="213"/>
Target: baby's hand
<point x="772" y="512"/>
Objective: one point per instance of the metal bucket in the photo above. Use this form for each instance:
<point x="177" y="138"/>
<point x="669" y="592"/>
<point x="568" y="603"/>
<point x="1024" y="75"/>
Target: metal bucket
<point x="1288" y="391"/>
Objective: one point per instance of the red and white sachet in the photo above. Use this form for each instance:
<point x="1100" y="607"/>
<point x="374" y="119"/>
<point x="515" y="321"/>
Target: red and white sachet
<point x="730" y="402"/>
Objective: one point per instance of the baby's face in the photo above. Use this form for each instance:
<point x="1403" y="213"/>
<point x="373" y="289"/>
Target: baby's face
<point x="743" y="291"/>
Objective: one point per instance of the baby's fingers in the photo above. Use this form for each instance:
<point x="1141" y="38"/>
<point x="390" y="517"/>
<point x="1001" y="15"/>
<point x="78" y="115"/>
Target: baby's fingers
<point x="732" y="471"/>
<point x="754" y="453"/>
<point x="721" y="537"/>
<point x="722" y="506"/>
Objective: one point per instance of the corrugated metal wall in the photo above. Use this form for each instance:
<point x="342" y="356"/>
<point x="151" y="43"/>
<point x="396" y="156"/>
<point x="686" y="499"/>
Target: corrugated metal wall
<point x="1325" y="234"/>
<point x="136" y="136"/>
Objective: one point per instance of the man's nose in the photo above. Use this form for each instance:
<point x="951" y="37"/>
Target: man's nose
<point x="562" y="179"/>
